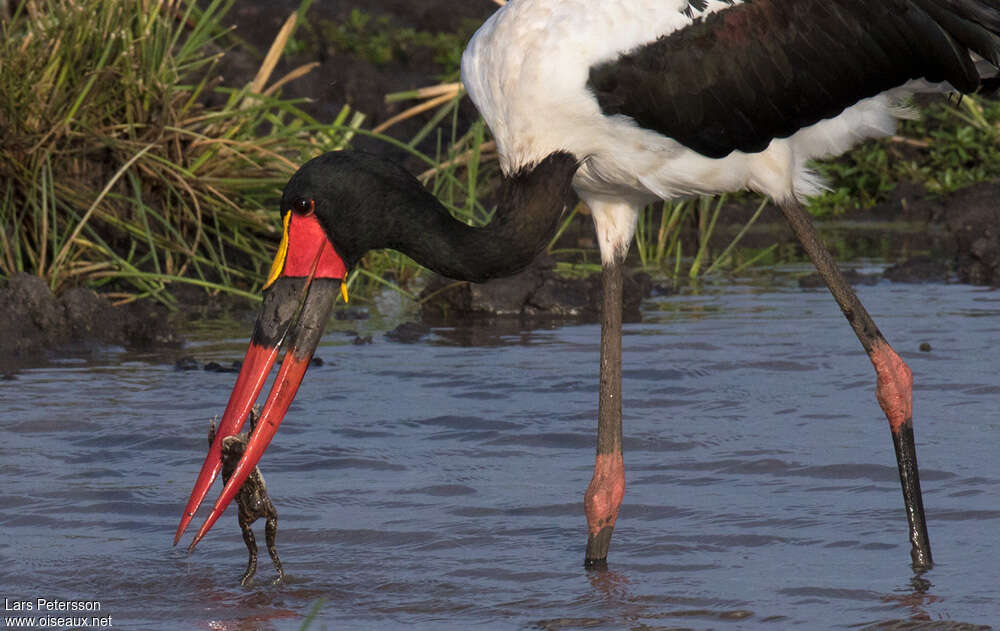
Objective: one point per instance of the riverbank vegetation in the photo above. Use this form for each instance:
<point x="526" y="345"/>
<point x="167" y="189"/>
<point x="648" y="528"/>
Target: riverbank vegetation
<point x="127" y="165"/>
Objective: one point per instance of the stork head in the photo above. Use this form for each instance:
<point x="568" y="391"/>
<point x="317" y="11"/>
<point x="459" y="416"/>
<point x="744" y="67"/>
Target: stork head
<point x="334" y="209"/>
<point x="299" y="292"/>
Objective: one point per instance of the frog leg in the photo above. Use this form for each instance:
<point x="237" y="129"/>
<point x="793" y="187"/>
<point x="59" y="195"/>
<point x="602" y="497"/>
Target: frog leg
<point x="251" y="542"/>
<point x="270" y="530"/>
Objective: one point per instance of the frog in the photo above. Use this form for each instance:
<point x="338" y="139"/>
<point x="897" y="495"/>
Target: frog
<point x="252" y="500"/>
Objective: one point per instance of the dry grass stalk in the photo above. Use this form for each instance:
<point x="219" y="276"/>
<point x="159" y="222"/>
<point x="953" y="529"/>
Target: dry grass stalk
<point x="485" y="152"/>
<point x="436" y="95"/>
<point x="301" y="71"/>
<point x="273" y="55"/>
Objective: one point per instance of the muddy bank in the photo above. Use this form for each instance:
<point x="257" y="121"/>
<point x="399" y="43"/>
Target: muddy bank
<point x="950" y="237"/>
<point x="973" y="219"/>
<point x="35" y="323"/>
<point x="538" y="293"/>
<point x="962" y="232"/>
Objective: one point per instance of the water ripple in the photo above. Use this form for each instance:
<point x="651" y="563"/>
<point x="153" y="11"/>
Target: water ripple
<point x="440" y="484"/>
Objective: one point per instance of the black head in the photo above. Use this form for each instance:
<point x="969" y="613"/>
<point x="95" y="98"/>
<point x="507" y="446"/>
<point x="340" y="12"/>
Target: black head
<point x="357" y="198"/>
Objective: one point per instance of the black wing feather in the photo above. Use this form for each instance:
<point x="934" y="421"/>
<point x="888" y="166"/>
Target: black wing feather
<point x="764" y="69"/>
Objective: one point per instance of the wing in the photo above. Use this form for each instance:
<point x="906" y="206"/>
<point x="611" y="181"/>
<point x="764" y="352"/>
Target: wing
<point x="764" y="69"/>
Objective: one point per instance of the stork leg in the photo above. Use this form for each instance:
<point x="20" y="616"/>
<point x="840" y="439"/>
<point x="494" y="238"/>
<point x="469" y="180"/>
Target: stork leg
<point x="895" y="381"/>
<point x="607" y="488"/>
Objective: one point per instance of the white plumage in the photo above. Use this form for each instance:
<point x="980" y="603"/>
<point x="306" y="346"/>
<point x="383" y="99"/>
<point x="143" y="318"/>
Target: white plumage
<point x="541" y="51"/>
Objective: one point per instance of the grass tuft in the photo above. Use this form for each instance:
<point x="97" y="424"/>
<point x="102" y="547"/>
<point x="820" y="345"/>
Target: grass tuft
<point x="116" y="174"/>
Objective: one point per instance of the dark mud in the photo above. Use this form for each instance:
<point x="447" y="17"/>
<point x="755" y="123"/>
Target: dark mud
<point x="967" y="228"/>
<point x="953" y="237"/>
<point x="538" y="293"/>
<point x="920" y="269"/>
<point x="35" y="322"/>
<point x="972" y="217"/>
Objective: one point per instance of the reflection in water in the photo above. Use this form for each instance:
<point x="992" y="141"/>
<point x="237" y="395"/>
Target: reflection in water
<point x="439" y="484"/>
<point x="915" y="597"/>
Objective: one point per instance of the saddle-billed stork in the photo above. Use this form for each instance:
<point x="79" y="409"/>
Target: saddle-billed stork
<point x="623" y="102"/>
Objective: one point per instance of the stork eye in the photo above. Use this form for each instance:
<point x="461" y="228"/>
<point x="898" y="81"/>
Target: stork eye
<point x="303" y="206"/>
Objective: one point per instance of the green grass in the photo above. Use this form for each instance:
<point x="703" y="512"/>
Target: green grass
<point x="376" y="39"/>
<point x="116" y="175"/>
<point x="952" y="145"/>
<point x="659" y="241"/>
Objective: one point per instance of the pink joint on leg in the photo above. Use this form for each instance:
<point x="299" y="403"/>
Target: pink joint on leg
<point x="605" y="492"/>
<point x="895" y="385"/>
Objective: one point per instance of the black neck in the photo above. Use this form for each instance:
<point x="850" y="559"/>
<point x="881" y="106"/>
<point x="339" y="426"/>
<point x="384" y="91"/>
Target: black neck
<point x="404" y="216"/>
<point x="529" y="207"/>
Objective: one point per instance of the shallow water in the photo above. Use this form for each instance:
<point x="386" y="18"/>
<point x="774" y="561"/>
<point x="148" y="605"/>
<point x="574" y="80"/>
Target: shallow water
<point x="439" y="484"/>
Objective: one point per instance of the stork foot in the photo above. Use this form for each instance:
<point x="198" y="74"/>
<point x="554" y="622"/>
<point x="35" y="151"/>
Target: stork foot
<point x="603" y="498"/>
<point x="895" y="395"/>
